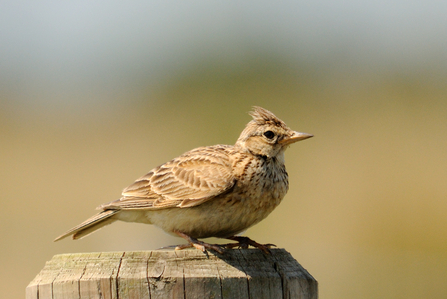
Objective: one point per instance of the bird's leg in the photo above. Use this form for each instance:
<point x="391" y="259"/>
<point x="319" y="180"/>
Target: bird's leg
<point x="202" y="246"/>
<point x="244" y="242"/>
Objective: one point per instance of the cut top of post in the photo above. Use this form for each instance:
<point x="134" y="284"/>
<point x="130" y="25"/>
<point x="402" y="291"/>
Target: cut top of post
<point x="239" y="273"/>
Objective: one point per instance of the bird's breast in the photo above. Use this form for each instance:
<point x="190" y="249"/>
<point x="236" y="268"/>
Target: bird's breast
<point x="262" y="182"/>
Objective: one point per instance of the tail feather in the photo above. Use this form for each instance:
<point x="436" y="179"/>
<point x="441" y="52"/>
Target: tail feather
<point x="90" y="225"/>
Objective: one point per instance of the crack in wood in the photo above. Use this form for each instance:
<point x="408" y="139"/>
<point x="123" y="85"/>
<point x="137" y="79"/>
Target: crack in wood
<point x="117" y="276"/>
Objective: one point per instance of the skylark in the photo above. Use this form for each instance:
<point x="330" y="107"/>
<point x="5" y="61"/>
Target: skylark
<point x="214" y="191"/>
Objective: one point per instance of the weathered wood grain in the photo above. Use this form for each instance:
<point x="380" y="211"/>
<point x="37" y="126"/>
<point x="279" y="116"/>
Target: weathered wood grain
<point x="239" y="273"/>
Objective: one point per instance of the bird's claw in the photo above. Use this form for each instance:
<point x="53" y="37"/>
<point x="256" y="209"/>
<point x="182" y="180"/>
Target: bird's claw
<point x="202" y="246"/>
<point x="245" y="242"/>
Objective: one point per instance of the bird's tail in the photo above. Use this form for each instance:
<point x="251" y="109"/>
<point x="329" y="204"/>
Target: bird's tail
<point x="90" y="225"/>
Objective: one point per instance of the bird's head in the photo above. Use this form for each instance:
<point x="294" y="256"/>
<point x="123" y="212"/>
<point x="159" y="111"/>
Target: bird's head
<point x="266" y="135"/>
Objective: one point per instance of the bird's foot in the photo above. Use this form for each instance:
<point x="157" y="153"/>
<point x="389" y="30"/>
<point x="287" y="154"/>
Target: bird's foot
<point x="202" y="246"/>
<point x="244" y="242"/>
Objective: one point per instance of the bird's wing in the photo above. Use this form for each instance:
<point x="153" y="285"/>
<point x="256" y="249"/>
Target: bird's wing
<point x="186" y="181"/>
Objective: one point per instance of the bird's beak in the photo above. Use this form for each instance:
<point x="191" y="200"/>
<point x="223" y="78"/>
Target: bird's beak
<point x="296" y="136"/>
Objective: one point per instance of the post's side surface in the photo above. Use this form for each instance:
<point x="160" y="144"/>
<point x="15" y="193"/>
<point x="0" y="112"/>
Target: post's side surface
<point x="239" y="273"/>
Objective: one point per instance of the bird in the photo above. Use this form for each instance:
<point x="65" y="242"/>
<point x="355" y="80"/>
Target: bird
<point x="212" y="191"/>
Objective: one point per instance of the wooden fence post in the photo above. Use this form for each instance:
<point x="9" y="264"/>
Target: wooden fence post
<point x="239" y="273"/>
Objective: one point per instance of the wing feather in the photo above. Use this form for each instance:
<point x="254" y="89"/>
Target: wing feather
<point x="186" y="181"/>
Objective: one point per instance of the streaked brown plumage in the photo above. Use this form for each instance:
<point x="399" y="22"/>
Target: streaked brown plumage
<point x="214" y="191"/>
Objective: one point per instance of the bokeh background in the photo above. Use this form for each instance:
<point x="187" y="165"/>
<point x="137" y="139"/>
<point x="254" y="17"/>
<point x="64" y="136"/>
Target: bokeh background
<point x="94" y="94"/>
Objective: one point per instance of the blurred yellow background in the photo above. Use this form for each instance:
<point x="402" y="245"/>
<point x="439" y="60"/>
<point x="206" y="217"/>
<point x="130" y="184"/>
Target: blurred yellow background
<point x="94" y="95"/>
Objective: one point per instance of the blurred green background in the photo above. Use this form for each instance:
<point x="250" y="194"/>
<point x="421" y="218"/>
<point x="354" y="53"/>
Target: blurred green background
<point x="95" y="94"/>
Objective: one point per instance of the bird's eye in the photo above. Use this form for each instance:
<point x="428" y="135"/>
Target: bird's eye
<point x="269" y="134"/>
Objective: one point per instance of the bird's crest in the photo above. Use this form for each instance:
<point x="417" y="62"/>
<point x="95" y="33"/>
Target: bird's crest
<point x="262" y="116"/>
